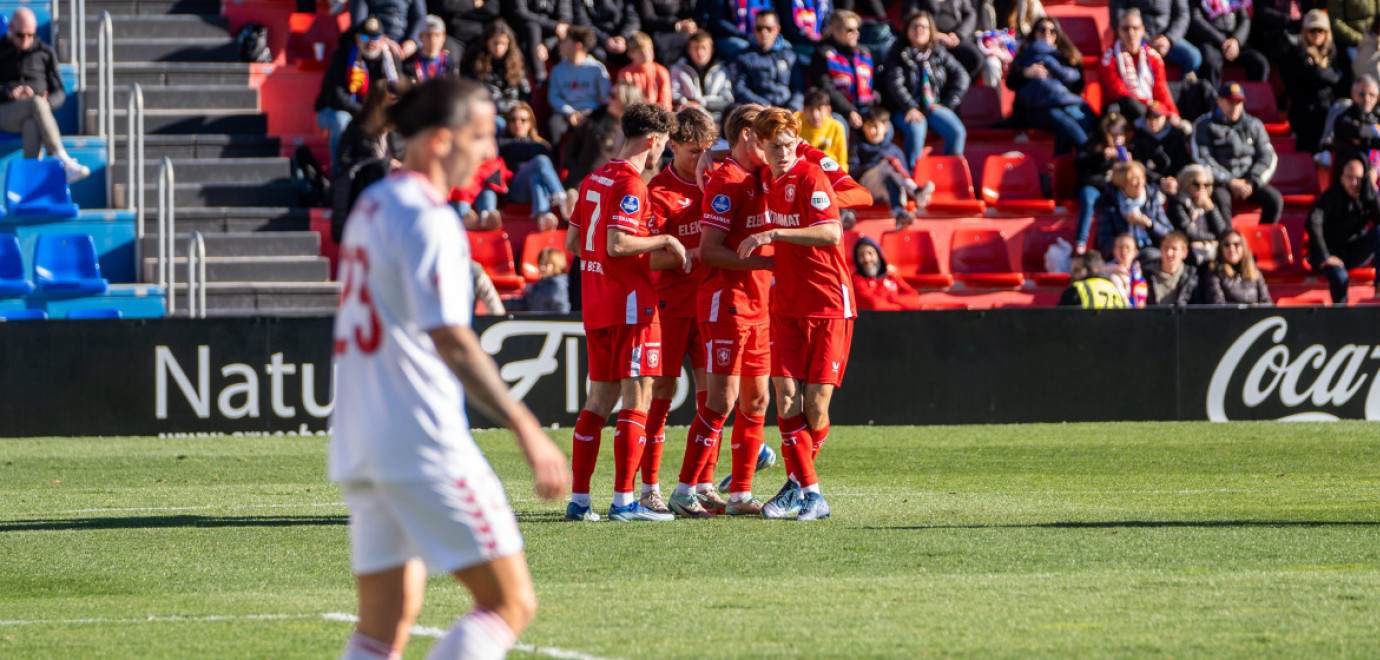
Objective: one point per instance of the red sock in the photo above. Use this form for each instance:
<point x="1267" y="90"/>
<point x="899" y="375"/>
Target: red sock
<point x="747" y="443"/>
<point x="819" y="435"/>
<point x="656" y="438"/>
<point x="699" y="443"/>
<point x="584" y="453"/>
<point x="797" y="448"/>
<point x="711" y="459"/>
<point x="628" y="440"/>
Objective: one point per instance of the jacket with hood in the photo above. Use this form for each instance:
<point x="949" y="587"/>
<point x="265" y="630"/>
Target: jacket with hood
<point x="906" y="68"/>
<point x="1060" y="89"/>
<point x="1234" y="150"/>
<point x="711" y="87"/>
<point x="847" y="74"/>
<point x="1337" y="219"/>
<point x="886" y="291"/>
<point x="765" y="78"/>
<point x="1354" y="130"/>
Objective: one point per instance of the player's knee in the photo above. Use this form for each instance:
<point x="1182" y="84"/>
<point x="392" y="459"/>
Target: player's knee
<point x="664" y="388"/>
<point x="817" y="414"/>
<point x="519" y="609"/>
<point x="755" y="404"/>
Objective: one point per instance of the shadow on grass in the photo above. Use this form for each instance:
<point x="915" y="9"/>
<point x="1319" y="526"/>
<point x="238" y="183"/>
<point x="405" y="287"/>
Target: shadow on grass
<point x="161" y="522"/>
<point x="542" y="517"/>
<point x="1116" y="524"/>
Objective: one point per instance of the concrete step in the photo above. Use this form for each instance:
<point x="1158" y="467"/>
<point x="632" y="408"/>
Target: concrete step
<point x="214" y="170"/>
<point x="169" y="49"/>
<point x="177" y="73"/>
<point x="241" y="299"/>
<point x="252" y="269"/>
<point x="188" y="195"/>
<point x="163" y="97"/>
<point x="186" y="26"/>
<point x="189" y="120"/>
<point x="203" y="145"/>
<point x="232" y="219"/>
<point x="151" y="7"/>
<point x="245" y="244"/>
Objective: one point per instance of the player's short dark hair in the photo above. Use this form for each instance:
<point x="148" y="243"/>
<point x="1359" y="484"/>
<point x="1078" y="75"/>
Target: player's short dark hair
<point x="817" y="98"/>
<point x="741" y="117"/>
<point x="437" y="103"/>
<point x="694" y="126"/>
<point x="876" y="115"/>
<point x="642" y="119"/>
<point x="582" y="35"/>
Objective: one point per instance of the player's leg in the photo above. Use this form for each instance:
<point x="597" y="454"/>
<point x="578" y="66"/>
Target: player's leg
<point x="704" y="434"/>
<point x="817" y="397"/>
<point x="504" y="604"/>
<point x="389" y="602"/>
<point x="704" y="482"/>
<point x="663" y="389"/>
<point x="747" y="443"/>
<point x="629" y="438"/>
<point x="795" y="448"/>
<point x="584" y="454"/>
<point x="829" y="341"/>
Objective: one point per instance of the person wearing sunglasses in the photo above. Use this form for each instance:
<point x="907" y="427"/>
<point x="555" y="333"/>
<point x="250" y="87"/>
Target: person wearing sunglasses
<point x="32" y="89"/>
<point x="1047" y="76"/>
<point x="1234" y="279"/>
<point x="844" y="69"/>
<point x="1132" y="73"/>
<point x="348" y="77"/>
<point x="762" y="74"/>
<point x="1193" y="212"/>
<point x="1314" y="75"/>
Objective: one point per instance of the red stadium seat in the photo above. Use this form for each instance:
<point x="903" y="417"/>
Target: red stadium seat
<point x="1273" y="256"/>
<point x="532" y="246"/>
<point x="1261" y="104"/>
<point x="979" y="258"/>
<point x="953" y="185"/>
<point x="1362" y="275"/>
<point x="492" y="250"/>
<point x="1038" y="238"/>
<point x="1296" y="178"/>
<point x="980" y="111"/>
<point x="911" y="252"/>
<point x="1011" y="184"/>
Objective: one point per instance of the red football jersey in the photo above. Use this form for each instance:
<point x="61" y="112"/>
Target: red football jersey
<point x="811" y="281"/>
<point x="848" y="193"/>
<point x="615" y="290"/>
<point x="734" y="202"/>
<point x="676" y="211"/>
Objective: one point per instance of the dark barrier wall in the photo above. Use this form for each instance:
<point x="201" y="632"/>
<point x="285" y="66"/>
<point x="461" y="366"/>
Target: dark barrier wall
<point x="1045" y="365"/>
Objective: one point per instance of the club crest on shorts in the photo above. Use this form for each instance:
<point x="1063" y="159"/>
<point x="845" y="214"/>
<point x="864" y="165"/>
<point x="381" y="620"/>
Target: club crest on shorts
<point x="653" y="358"/>
<point x="790" y="193"/>
<point x="820" y="200"/>
<point x="722" y="356"/>
<point x="630" y="204"/>
<point x="828" y="164"/>
<point x="721" y="204"/>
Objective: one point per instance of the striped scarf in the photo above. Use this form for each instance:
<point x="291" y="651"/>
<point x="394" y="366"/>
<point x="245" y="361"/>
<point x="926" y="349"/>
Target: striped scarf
<point x="852" y="76"/>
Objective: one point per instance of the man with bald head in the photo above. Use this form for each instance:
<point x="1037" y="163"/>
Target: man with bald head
<point x="30" y="89"/>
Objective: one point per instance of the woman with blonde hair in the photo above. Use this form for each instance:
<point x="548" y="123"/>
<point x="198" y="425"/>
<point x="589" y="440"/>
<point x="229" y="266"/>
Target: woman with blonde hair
<point x="1313" y="74"/>
<point x="529" y="157"/>
<point x="1234" y="279"/>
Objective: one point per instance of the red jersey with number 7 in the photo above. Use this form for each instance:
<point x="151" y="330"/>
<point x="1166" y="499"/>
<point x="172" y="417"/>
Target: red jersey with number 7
<point x="615" y="290"/>
<point x="676" y="211"/>
<point x="811" y="281"/>
<point x="735" y="203"/>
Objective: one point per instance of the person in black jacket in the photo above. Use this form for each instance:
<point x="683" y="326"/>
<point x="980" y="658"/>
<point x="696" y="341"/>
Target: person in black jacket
<point x="1047" y="76"/>
<point x="465" y="19"/>
<point x="955" y="23"/>
<point x="1314" y="76"/>
<point x="1353" y="131"/>
<point x="844" y="70"/>
<point x="495" y="61"/>
<point x="1192" y="212"/>
<point x="1093" y="163"/>
<point x="613" y="23"/>
<point x="1275" y="25"/>
<point x="1233" y="279"/>
<point x="1219" y="28"/>
<point x="539" y="24"/>
<point x="916" y="105"/>
<point x="732" y="22"/>
<point x="348" y="77"/>
<point x="670" y="23"/>
<point x="1344" y="226"/>
<point x="32" y="90"/>
<point x="1171" y="281"/>
<point x="1161" y="147"/>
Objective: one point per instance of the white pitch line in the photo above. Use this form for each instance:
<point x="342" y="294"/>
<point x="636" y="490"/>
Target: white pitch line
<point x="209" y="507"/>
<point x="428" y="631"/>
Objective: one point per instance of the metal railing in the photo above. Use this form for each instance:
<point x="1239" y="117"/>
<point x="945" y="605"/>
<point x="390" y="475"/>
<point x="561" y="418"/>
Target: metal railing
<point x="134" y="186"/>
<point x="105" y="94"/>
<point x="196" y="276"/>
<point x="167" y="223"/>
<point x="76" y="36"/>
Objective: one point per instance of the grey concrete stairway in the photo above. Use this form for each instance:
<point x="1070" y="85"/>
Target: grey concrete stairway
<point x="231" y="183"/>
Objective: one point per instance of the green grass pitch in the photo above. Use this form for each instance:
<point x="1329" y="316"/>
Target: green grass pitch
<point x="1088" y="540"/>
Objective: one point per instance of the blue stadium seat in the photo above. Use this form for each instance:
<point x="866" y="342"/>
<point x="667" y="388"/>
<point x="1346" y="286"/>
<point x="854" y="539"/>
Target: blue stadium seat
<point x="12" y="280"/>
<point x="66" y="264"/>
<point x="23" y="315"/>
<point x="4" y="25"/>
<point x="94" y="314"/>
<point x="38" y="189"/>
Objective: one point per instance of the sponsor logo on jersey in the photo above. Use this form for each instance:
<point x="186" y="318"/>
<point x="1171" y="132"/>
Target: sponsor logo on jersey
<point x="602" y="180"/>
<point x="683" y="202"/>
<point x="784" y="220"/>
<point x="820" y="200"/>
<point x="828" y="164"/>
<point x="755" y="221"/>
<point x="688" y="229"/>
<point x="790" y="193"/>
<point x="721" y="203"/>
<point x="630" y="204"/>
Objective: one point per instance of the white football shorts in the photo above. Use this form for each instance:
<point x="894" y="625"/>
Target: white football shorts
<point x="449" y="525"/>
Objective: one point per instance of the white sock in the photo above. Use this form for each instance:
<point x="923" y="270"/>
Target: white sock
<point x="479" y="635"/>
<point x="66" y="159"/>
<point x="703" y="488"/>
<point x="623" y="499"/>
<point x="650" y="488"/>
<point x="740" y="497"/>
<point x="682" y="489"/>
<point x="812" y="489"/>
<point x="581" y="499"/>
<point x="361" y="647"/>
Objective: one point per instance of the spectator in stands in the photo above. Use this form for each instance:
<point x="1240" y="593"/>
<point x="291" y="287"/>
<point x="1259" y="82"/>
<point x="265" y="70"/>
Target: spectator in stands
<point x="1275" y="25"/>
<point x="953" y="23"/>
<point x="803" y="23"/>
<point x="401" y="21"/>
<point x="1314" y="76"/>
<point x="1236" y="149"/>
<point x="1093" y="163"/>
<point x="579" y="84"/>
<point x="477" y="201"/>
<point x="762" y="75"/>
<point x="369" y="151"/>
<point x="1172" y="282"/>
<point x="599" y="138"/>
<point x="1351" y="20"/>
<point x="844" y="69"/>
<point x="873" y="283"/>
<point x="1220" y="28"/>
<point x="496" y="62"/>
<point x="1193" y="212"/>
<point x="733" y="23"/>
<point x="540" y="25"/>
<point x="1021" y="17"/>
<point x="1234" y="279"/>
<point x="437" y="55"/>
<point x="1091" y="289"/>
<point x="821" y="130"/>
<point x="347" y="80"/>
<point x="652" y="79"/>
<point x="1134" y="206"/>
<point x="466" y="19"/>
<point x="670" y="23"/>
<point x="876" y="32"/>
<point x="1166" y="25"/>
<point x="879" y="165"/>
<point x="1354" y="130"/>
<point x="1162" y="148"/>
<point x="33" y="89"/>
<point x="551" y="293"/>
<point x="700" y="79"/>
<point x="1047" y="76"/>
<point x="1125" y="270"/>
<point x="1133" y="76"/>
<point x="613" y="22"/>
<point x="1344" y="226"/>
<point x="923" y="85"/>
<point x="529" y="157"/>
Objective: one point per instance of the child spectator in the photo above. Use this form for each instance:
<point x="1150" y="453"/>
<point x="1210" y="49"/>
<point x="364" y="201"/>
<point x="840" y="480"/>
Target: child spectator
<point x="876" y="287"/>
<point x="1126" y="272"/>
<point x="437" y="55"/>
<point x="652" y="79"/>
<point x="578" y="84"/>
<point x="550" y="293"/>
<point x="498" y="64"/>
<point x="529" y="157"/>
<point x="700" y="79"/>
<point x="819" y="129"/>
<point x="1172" y="282"/>
<point x="879" y="166"/>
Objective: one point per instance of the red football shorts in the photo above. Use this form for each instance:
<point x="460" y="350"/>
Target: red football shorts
<point x="680" y="337"/>
<point x="811" y="350"/>
<point x="624" y="351"/>
<point x="736" y="349"/>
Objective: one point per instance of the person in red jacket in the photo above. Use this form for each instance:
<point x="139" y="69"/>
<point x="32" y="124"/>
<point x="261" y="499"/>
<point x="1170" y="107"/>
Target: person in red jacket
<point x="1133" y="75"/>
<point x="876" y="287"/>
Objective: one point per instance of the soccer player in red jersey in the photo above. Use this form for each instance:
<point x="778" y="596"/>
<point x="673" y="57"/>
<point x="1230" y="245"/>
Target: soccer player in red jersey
<point x="733" y="318"/>
<point x="812" y="308"/>
<point x="675" y="200"/>
<point x="617" y="255"/>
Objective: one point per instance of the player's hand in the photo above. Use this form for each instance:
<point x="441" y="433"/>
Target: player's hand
<point x="550" y="474"/>
<point x="678" y="251"/>
<point x="751" y="243"/>
<point x="693" y="256"/>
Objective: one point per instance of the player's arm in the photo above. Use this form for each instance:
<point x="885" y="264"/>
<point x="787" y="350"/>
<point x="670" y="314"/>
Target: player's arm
<point x="822" y="234"/>
<point x="717" y="253"/>
<point x="572" y="239"/>
<point x="459" y="348"/>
